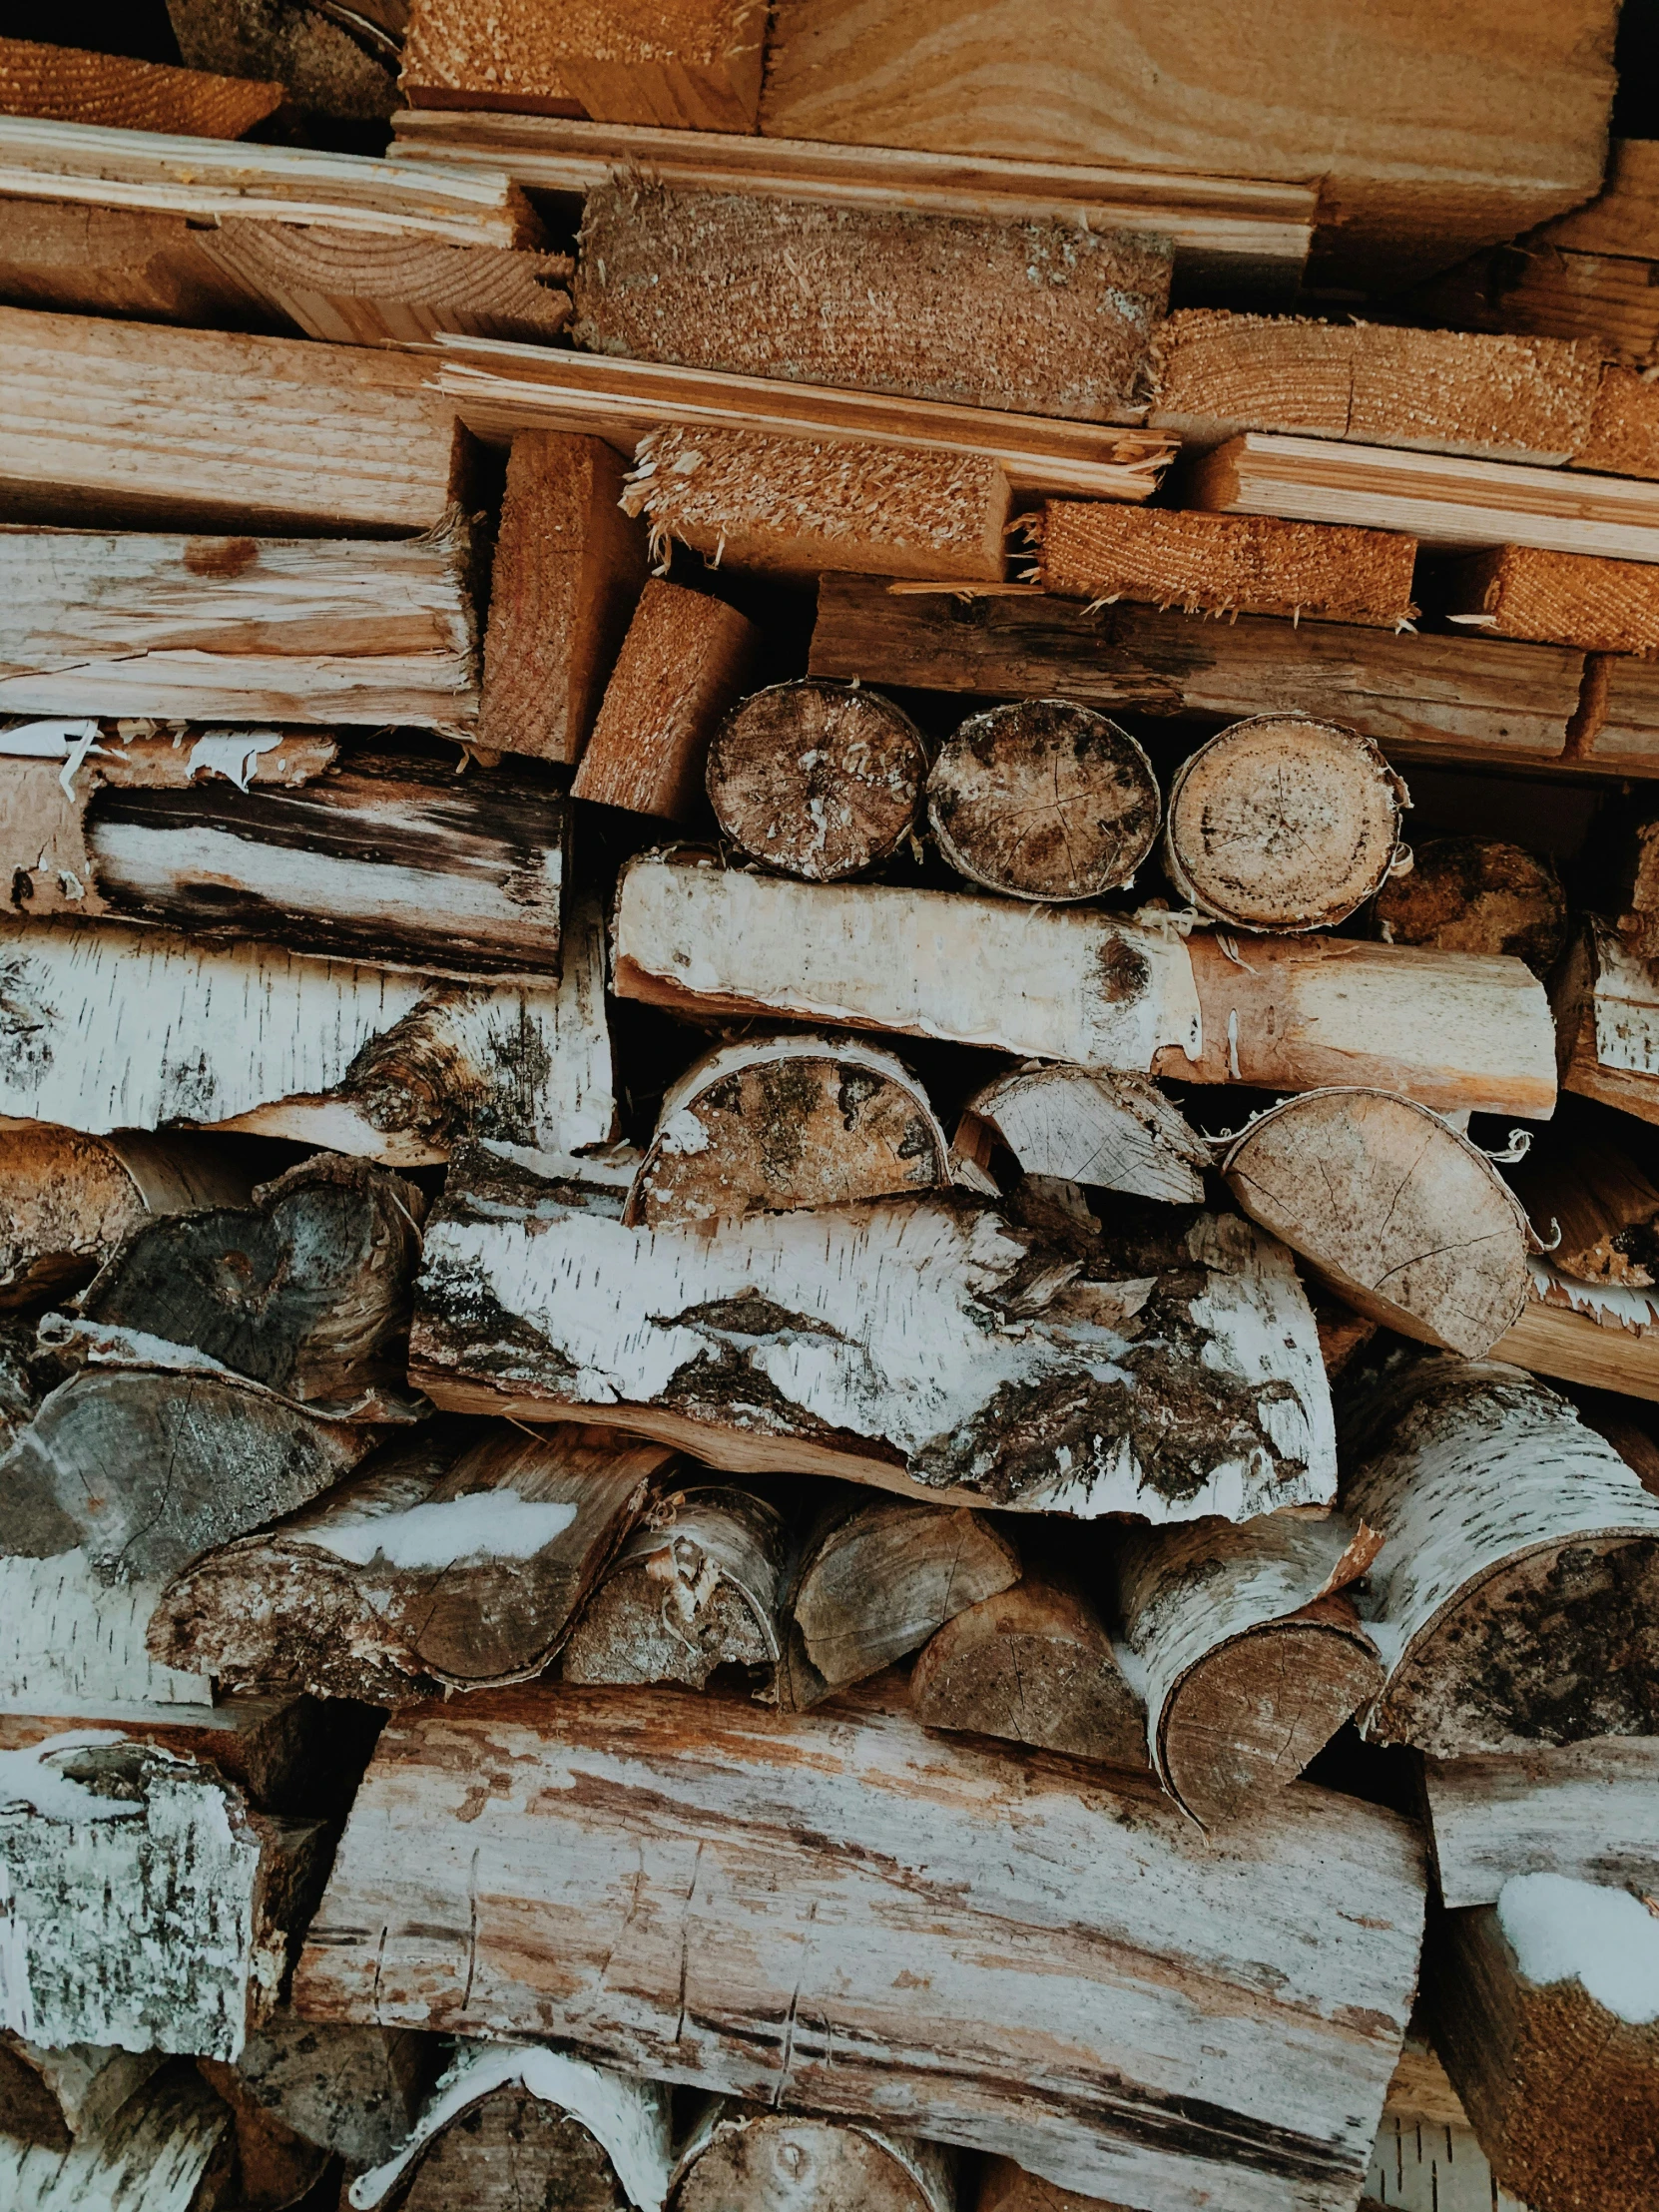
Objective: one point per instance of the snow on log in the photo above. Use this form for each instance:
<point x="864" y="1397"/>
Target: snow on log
<point x="1476" y="894"/>
<point x="1450" y="1029"/>
<point x="1581" y="1810"/>
<point x="1517" y="1590"/>
<point x="1252" y="1659"/>
<point x="704" y="1890"/>
<point x="778" y="1122"/>
<point x="700" y="1586"/>
<point x="926" y="1345"/>
<point x="55" y="2097"/>
<point x="1114" y="1131"/>
<point x="741" y="2154"/>
<point x="104" y="1028"/>
<point x="169" y="2149"/>
<point x="431" y="1571"/>
<point x="1396" y="1210"/>
<point x="145" y="1905"/>
<point x="1606" y="1000"/>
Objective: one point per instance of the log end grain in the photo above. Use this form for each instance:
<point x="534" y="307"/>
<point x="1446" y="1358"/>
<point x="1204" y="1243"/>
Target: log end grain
<point x="64" y="84"/>
<point x="1624" y="430"/>
<point x="1521" y="591"/>
<point x="819" y="780"/>
<point x="1476" y="894"/>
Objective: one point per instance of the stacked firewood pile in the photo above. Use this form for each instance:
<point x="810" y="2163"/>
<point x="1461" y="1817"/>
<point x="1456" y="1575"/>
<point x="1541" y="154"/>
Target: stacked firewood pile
<point x="829" y="1068"/>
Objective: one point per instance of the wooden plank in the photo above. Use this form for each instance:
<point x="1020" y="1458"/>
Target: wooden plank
<point x="1619" y="732"/>
<point x="1428" y="141"/>
<point x="1419" y="698"/>
<point x="779" y="1921"/>
<point x="132" y="422"/>
<point x="499" y="390"/>
<point x="1517" y="591"/>
<point x="1603" y="299"/>
<point x="1581" y="1809"/>
<point x="1240" y="231"/>
<point x="65" y="84"/>
<point x="79" y="260"/>
<point x="1442" y="501"/>
<point x="225" y="629"/>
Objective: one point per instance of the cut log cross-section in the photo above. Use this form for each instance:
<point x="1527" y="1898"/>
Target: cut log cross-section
<point x="1253" y="1657"/>
<point x="1396" y="1210"/>
<point x="1476" y="894"/>
<point x="1115" y="1132"/>
<point x="1516" y="591"/>
<point x="783" y="2162"/>
<point x="781" y="1122"/>
<point x="1044" y="799"/>
<point x="1515" y="1595"/>
<point x="816" y="780"/>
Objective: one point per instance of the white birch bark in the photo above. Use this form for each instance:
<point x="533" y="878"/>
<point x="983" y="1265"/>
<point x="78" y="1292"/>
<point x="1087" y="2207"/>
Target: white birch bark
<point x="1426" y="2165"/>
<point x="1586" y="1811"/>
<point x="153" y="2156"/>
<point x="1116" y="1132"/>
<point x="68" y="1640"/>
<point x="76" y="2093"/>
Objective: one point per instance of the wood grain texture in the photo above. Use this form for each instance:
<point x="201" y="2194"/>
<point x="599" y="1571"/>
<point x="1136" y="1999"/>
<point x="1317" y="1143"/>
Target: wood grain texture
<point x="683" y="664"/>
<point x="1624" y="431"/>
<point x="282" y="1753"/>
<point x="1601" y="1335"/>
<point x="1116" y="1132"/>
<point x="816" y="780"/>
<point x="63" y="83"/>
<point x="1602" y="1203"/>
<point x="52" y="2097"/>
<point x="1581" y="1809"/>
<point x="1476" y="894"/>
<point x="798" y="1823"/>
<point x="780" y="2162"/>
<point x="170" y="2149"/>
<point x="353" y="2090"/>
<point x="1605" y="1000"/>
<point x="1517" y="591"/>
<point x="75" y="259"/>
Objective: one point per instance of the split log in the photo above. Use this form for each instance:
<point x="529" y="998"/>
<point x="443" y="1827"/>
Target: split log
<point x="1395" y="1211"/>
<point x="699" y="69"/>
<point x="1253" y="1657"/>
<point x="1604" y="1210"/>
<point x="700" y="1585"/>
<point x="1496" y="399"/>
<point x="1584" y="1811"/>
<point x="354" y="2091"/>
<point x="569" y="569"/>
<point x="794" y="507"/>
<point x="1476" y="894"/>
<point x="430" y="1572"/>
<point x="1517" y="591"/>
<point x="1113" y="1132"/>
<point x="1044" y="799"/>
<point x="875" y="1580"/>
<point x="687" y="656"/>
<point x="775" y="1123"/>
<point x="67" y="1201"/>
<point x="306" y="1290"/>
<point x="510" y="2124"/>
<point x="1606" y="1000"/>
<point x="1602" y="1336"/>
<point x="275" y="2168"/>
<point x="1284" y="823"/>
<point x="1172" y="1376"/>
<point x="883" y="299"/>
<point x="818" y="781"/>
<point x="55" y="2097"/>
<point x="254" y="1038"/>
<point x="1032" y="1664"/>
<point x="169" y="2149"/>
<point x="391" y="861"/>
<point x="777" y="2162"/>
<point x="63" y="83"/>
<point x="1541" y="2007"/>
<point x="146" y="1907"/>
<point x="1518" y="1583"/>
<point x="1083" y="988"/>
<point x="131" y="424"/>
<point x="344" y="70"/>
<point x="225" y="629"/>
<point x="1224" y="564"/>
<point x="1105" y="1943"/>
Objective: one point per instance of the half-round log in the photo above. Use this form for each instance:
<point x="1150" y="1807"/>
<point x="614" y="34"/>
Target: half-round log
<point x="745" y="2157"/>
<point x="1395" y="1208"/>
<point x="1044" y="799"/>
<point x="817" y="780"/>
<point x="1476" y="894"/>
<point x="1283" y="823"/>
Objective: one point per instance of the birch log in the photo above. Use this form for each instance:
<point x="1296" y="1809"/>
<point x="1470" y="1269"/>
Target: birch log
<point x="1032" y="1664"/>
<point x="232" y="629"/>
<point x="1517" y="1592"/>
<point x="1044" y="799"/>
<point x="71" y="1642"/>
<point x="1283" y="823"/>
<point x="254" y="1038"/>
<point x="356" y="2091"/>
<point x="1584" y="1811"/>
<point x="68" y="1201"/>
<point x="698" y="1587"/>
<point x="820" y="780"/>
<point x="1605" y="1000"/>
<point x="1083" y="988"/>
<point x="875" y="1581"/>
<point x="145" y="1905"/>
<point x="926" y="1345"/>
<point x="1253" y="1658"/>
<point x="780" y="2162"/>
<point x="1476" y="894"/>
<point x="170" y="2149"/>
<point x="1115" y="1132"/>
<point x="432" y="1571"/>
<point x="1603" y="1207"/>
<point x="780" y="1122"/>
<point x="1396" y="1209"/>
<point x="54" y="2097"/>
<point x="705" y="1891"/>
<point x="306" y="1290"/>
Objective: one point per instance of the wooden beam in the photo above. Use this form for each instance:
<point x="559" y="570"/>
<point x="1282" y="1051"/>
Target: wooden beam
<point x="1623" y="217"/>
<point x="64" y="84"/>
<point x="1516" y="591"/>
<point x="128" y="422"/>
<point x="74" y="258"/>
<point x="804" y="1823"/>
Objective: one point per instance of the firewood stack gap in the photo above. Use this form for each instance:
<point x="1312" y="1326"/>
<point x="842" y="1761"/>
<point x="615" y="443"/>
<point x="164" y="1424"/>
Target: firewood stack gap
<point x="829" y="1108"/>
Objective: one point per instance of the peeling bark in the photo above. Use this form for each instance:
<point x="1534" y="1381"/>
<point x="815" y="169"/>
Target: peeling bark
<point x="170" y="2149"/>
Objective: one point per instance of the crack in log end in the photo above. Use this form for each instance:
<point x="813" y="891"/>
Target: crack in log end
<point x="462" y="1326"/>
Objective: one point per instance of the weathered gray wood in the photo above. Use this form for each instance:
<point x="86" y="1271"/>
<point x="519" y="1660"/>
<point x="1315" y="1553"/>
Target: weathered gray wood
<point x="145" y="1905"/>
<point x="1173" y="1374"/>
<point x="1515" y="1595"/>
<point x="352" y="2090"/>
<point x="705" y="1891"/>
<point x="1582" y="1809"/>
<point x="170" y="2149"/>
<point x="700" y="1585"/>
<point x="816" y="779"/>
<point x="56" y="2096"/>
<point x="1117" y="1132"/>
<point x="741" y="2154"/>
